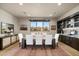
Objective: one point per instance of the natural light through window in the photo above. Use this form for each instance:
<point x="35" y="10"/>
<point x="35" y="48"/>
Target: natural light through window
<point x="33" y="24"/>
<point x="39" y="25"/>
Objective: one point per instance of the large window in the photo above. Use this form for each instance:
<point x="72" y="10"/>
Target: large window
<point x="39" y="25"/>
<point x="33" y="26"/>
<point x="45" y="26"/>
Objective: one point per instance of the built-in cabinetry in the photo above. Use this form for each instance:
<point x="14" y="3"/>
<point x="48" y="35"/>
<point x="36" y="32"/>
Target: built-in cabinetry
<point x="71" y="41"/>
<point x="6" y="41"/>
<point x="13" y="39"/>
<point x="71" y="22"/>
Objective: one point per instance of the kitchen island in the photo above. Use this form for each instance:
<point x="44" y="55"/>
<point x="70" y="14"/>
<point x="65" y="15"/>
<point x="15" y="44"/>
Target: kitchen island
<point x="7" y="40"/>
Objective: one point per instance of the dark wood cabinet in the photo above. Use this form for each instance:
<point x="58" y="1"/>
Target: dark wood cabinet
<point x="7" y="41"/>
<point x="75" y="43"/>
<point x="71" y="41"/>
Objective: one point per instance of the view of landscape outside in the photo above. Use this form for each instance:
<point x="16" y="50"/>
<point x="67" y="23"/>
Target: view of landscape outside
<point x="39" y="25"/>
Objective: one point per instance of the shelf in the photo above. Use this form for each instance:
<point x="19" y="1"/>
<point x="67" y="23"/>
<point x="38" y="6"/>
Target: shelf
<point x="68" y="23"/>
<point x="76" y="24"/>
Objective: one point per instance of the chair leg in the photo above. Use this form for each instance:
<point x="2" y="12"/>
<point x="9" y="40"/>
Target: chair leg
<point x="43" y="43"/>
<point x="19" y="44"/>
<point x="33" y="46"/>
<point x="57" y="45"/>
<point x="34" y="43"/>
<point x="53" y="44"/>
<point x="44" y="46"/>
<point x="26" y="46"/>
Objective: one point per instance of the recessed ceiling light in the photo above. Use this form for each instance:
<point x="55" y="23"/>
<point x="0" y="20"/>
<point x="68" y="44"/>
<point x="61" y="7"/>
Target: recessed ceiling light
<point x="21" y="4"/>
<point x="59" y="4"/>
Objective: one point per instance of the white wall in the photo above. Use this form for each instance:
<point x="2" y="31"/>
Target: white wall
<point x="53" y="22"/>
<point x="27" y="22"/>
<point x="8" y="18"/>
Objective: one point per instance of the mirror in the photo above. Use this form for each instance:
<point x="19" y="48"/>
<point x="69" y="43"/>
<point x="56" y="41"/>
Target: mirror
<point x="7" y="28"/>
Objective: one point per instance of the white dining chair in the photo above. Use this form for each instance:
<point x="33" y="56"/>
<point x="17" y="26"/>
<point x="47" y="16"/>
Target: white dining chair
<point x="29" y="40"/>
<point x="34" y="33"/>
<point x="48" y="40"/>
<point x="44" y="33"/>
<point x="20" y="36"/>
<point x="56" y="39"/>
<point x="38" y="40"/>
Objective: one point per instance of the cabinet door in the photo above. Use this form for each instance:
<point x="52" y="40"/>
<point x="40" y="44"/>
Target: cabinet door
<point x="13" y="39"/>
<point x="61" y="38"/>
<point x="64" y="39"/>
<point x="6" y="42"/>
<point x="71" y="41"/>
<point x="75" y="43"/>
<point x="68" y="40"/>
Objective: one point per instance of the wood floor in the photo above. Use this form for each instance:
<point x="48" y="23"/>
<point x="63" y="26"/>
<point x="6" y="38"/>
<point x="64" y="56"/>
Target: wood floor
<point x="15" y="50"/>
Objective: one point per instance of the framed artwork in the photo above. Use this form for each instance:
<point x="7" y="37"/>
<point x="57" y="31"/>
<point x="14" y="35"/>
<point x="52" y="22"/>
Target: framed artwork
<point x="23" y="27"/>
<point x="53" y="27"/>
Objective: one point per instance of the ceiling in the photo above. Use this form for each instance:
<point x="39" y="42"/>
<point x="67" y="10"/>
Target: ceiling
<point x="37" y="9"/>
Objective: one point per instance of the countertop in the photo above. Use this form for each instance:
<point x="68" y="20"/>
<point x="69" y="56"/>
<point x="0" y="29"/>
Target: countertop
<point x="75" y="36"/>
<point x="4" y="35"/>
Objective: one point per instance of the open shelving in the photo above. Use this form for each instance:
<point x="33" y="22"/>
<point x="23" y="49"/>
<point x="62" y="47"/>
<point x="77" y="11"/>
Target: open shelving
<point x="69" y="22"/>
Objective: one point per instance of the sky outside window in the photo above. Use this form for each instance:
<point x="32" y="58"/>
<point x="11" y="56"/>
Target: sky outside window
<point x="39" y="24"/>
<point x="33" y="24"/>
<point x="46" y="24"/>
